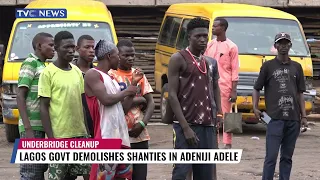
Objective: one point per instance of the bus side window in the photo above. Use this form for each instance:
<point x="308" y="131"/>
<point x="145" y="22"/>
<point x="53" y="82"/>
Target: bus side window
<point x="183" y="36"/>
<point x="169" y="31"/>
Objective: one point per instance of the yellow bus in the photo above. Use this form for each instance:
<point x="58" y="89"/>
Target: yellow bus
<point x="83" y="17"/>
<point x="252" y="28"/>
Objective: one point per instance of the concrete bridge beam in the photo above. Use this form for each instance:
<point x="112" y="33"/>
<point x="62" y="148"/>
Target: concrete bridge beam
<point x="270" y="3"/>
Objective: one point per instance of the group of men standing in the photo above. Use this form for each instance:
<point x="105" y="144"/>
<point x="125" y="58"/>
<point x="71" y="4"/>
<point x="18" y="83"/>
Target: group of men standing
<point x="71" y="98"/>
<point x="74" y="99"/>
<point x="203" y="82"/>
<point x="202" y="86"/>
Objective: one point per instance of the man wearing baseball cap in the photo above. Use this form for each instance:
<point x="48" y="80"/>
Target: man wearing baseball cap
<point x="283" y="82"/>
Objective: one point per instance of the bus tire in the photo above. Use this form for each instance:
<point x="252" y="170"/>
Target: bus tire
<point x="12" y="132"/>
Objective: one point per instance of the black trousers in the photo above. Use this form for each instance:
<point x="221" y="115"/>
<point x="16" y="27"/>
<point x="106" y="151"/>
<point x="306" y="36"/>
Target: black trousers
<point x="208" y="140"/>
<point x="140" y="170"/>
<point x="284" y="134"/>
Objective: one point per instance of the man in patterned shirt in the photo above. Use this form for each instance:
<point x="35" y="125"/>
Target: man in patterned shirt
<point x="135" y="118"/>
<point x="194" y="97"/>
<point x="30" y="125"/>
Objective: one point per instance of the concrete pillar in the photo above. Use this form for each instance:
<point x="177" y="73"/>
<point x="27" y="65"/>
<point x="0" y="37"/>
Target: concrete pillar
<point x="271" y="3"/>
<point x="169" y="2"/>
<point x="268" y="3"/>
<point x="23" y="2"/>
<point x="107" y="2"/>
<point x="7" y="2"/>
<point x="302" y="3"/>
<point x="129" y="2"/>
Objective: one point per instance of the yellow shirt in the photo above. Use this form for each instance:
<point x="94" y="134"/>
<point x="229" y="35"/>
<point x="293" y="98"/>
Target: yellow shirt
<point x="64" y="88"/>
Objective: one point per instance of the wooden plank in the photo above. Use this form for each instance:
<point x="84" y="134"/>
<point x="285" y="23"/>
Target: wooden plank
<point x="144" y="48"/>
<point x="130" y="26"/>
<point x="143" y="64"/>
<point x="156" y="95"/>
<point x="152" y="33"/>
<point x="312" y="30"/>
<point x="149" y="39"/>
<point x="116" y="18"/>
<point x="147" y="67"/>
<point x="147" y="63"/>
<point x="151" y="20"/>
<point x="137" y="28"/>
<point x="144" y="43"/>
<point x="143" y="31"/>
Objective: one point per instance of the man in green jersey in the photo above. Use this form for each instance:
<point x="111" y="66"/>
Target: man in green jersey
<point x="30" y="125"/>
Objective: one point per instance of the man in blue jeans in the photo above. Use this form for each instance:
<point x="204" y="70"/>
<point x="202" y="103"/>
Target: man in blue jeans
<point x="284" y="84"/>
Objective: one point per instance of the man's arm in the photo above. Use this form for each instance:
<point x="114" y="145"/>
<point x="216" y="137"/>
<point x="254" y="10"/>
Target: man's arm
<point x="45" y="116"/>
<point x="149" y="109"/>
<point x="146" y="91"/>
<point x="127" y="103"/>
<point x="302" y="105"/>
<point x="255" y="98"/>
<point x="83" y="98"/>
<point x="44" y="93"/>
<point x="137" y="101"/>
<point x="173" y="84"/>
<point x="234" y="71"/>
<point x="257" y="88"/>
<point x="84" y="106"/>
<point x="22" y="107"/>
<point x="216" y="88"/>
<point x="26" y="76"/>
<point x="92" y="79"/>
<point x="301" y="89"/>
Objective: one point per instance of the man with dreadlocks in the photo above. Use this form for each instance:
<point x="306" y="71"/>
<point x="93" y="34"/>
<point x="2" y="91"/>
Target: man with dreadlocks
<point x="194" y="97"/>
<point x="104" y="97"/>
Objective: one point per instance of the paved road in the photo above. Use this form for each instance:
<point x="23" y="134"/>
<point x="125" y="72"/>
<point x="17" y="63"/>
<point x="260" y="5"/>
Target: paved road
<point x="306" y="161"/>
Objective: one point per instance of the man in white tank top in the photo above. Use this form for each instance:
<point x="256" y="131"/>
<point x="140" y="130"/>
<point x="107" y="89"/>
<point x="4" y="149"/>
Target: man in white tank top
<point x="107" y="105"/>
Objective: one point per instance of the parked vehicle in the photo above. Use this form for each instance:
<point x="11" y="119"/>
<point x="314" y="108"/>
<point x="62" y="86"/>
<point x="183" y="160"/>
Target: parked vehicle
<point x="252" y="28"/>
<point x="83" y="17"/>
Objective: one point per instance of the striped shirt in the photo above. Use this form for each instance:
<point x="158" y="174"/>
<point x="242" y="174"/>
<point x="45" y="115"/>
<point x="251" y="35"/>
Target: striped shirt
<point x="28" y="77"/>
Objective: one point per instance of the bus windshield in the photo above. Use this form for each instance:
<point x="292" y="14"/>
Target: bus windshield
<point x="25" y="32"/>
<point x="256" y="35"/>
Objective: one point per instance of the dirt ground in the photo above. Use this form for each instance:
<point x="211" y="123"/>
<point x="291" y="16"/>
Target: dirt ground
<point x="306" y="161"/>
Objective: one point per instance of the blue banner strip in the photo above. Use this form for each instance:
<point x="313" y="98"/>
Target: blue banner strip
<point x="41" y="13"/>
<point x="14" y="151"/>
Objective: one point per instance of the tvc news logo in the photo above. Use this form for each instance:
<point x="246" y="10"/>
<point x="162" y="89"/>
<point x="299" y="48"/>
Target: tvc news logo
<point x="41" y="13"/>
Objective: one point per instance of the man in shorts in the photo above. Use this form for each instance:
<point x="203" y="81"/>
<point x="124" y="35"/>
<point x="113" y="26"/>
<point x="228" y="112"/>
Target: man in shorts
<point x="61" y="86"/>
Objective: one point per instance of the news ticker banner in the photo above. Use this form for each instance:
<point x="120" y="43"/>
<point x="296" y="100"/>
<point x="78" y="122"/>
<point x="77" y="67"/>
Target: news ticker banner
<point x="91" y="151"/>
